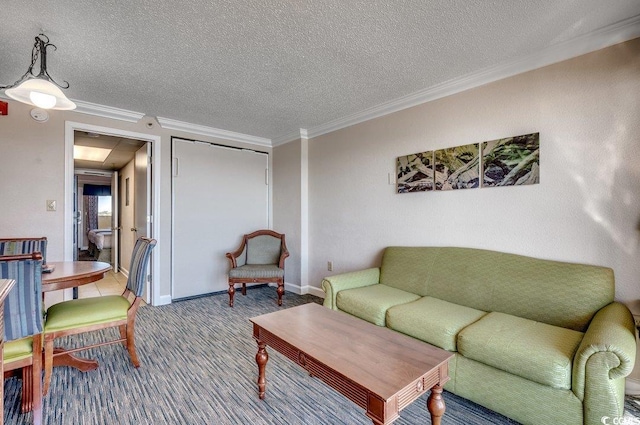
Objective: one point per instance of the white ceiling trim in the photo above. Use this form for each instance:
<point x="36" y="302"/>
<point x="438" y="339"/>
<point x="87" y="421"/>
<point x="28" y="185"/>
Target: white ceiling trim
<point x="100" y="110"/>
<point x="605" y="37"/>
<point x="203" y="130"/>
<point x="294" y="135"/>
<point x="107" y="111"/>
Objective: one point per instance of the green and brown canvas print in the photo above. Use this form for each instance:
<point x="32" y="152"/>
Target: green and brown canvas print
<point x="512" y="161"/>
<point x="457" y="167"/>
<point x="415" y="172"/>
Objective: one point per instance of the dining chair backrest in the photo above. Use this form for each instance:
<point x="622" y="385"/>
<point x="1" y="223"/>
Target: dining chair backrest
<point x="17" y="246"/>
<point x="139" y="261"/>
<point x="23" y="315"/>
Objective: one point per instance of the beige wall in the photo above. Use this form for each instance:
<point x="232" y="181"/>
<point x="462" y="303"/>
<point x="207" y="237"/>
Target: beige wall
<point x="32" y="166"/>
<point x="586" y="208"/>
<point x="287" y="205"/>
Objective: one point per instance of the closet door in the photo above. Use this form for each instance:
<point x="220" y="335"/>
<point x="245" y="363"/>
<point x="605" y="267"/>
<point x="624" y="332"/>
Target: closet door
<point x="219" y="194"/>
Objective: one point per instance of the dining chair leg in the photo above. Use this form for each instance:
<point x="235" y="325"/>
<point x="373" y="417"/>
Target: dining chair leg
<point x="48" y="362"/>
<point x="26" y="402"/>
<point x="123" y="334"/>
<point x="36" y="393"/>
<point x="131" y="344"/>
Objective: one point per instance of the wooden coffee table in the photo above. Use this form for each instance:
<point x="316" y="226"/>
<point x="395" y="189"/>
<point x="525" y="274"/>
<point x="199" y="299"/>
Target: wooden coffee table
<point x="380" y="370"/>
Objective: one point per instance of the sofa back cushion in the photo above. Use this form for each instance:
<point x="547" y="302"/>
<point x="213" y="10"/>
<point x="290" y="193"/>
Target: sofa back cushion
<point x="553" y="292"/>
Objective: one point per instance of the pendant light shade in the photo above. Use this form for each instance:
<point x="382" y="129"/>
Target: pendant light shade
<point x="41" y="93"/>
<point x="39" y="90"/>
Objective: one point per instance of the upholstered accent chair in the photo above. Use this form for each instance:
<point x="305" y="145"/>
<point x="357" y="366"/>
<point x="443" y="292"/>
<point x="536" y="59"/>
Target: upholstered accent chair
<point x="17" y="246"/>
<point x="23" y="324"/>
<point x="83" y="315"/>
<point x="259" y="259"/>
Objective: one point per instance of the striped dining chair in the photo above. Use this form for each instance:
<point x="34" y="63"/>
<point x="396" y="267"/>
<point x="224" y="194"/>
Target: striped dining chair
<point x="17" y="246"/>
<point x="75" y="317"/>
<point x="23" y="325"/>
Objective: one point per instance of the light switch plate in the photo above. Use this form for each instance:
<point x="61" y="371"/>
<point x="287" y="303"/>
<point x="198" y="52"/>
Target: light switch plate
<point x="51" y="205"/>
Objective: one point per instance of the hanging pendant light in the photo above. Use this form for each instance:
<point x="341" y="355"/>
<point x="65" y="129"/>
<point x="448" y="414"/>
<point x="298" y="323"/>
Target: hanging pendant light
<point x="39" y="90"/>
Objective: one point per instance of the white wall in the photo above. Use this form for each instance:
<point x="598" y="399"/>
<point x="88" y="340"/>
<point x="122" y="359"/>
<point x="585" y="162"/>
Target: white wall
<point x="586" y="208"/>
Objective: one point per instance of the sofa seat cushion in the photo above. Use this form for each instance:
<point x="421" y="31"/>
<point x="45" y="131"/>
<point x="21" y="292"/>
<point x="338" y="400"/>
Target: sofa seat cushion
<point x="532" y="350"/>
<point x="372" y="302"/>
<point x="432" y="320"/>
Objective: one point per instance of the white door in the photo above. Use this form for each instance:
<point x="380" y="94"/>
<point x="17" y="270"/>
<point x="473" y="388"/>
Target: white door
<point x="219" y="194"/>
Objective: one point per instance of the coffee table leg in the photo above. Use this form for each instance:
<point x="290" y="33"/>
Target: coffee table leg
<point x="435" y="404"/>
<point x="261" y="358"/>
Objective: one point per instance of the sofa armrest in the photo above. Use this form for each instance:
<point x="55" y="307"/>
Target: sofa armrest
<point x="604" y="358"/>
<point x="333" y="284"/>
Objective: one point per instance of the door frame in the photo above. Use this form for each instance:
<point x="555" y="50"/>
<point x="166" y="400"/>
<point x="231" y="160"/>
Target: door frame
<point x="69" y="135"/>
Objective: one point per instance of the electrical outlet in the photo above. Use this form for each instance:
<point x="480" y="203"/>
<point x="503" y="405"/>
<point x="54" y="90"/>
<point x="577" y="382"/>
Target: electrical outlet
<point x="51" y="205"/>
<point x="330" y="266"/>
<point x="636" y="318"/>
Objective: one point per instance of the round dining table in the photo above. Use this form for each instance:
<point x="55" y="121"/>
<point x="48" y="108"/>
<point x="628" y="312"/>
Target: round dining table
<point x="71" y="274"/>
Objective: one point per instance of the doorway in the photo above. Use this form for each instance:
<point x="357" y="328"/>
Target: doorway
<point x="127" y="145"/>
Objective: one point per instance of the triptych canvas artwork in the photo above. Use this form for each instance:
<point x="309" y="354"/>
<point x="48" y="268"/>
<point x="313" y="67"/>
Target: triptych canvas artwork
<point x="511" y="161"/>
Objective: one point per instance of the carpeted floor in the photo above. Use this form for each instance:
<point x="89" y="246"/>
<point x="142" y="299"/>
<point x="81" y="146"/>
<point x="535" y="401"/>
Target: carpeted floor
<point x="198" y="367"/>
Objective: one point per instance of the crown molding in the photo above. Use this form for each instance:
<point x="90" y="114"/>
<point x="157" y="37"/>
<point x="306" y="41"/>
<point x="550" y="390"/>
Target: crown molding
<point x="98" y="110"/>
<point x="107" y="111"/>
<point x="297" y="135"/>
<point x="625" y="30"/>
<point x="203" y="130"/>
<point x="294" y="135"/>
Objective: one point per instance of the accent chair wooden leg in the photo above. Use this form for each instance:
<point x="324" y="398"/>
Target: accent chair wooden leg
<point x="244" y="289"/>
<point x="232" y="291"/>
<point x="435" y="404"/>
<point x="280" y="292"/>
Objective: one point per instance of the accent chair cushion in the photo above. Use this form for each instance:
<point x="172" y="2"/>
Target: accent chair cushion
<point x="432" y="320"/>
<point x="86" y="311"/>
<point x="18" y="349"/>
<point x="254" y="271"/>
<point x="532" y="350"/>
<point x="372" y="302"/>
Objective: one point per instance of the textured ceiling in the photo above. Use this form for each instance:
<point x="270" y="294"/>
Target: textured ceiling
<point x="269" y="67"/>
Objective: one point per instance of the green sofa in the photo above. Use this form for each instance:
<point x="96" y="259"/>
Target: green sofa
<point x="539" y="341"/>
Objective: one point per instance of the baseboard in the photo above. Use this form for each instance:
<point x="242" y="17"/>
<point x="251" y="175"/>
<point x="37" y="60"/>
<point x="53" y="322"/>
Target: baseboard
<point x="290" y="287"/>
<point x="632" y="386"/>
<point x="164" y="300"/>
